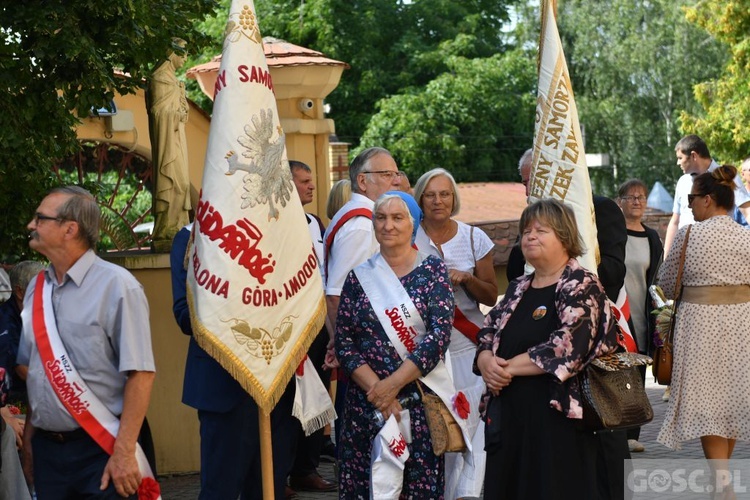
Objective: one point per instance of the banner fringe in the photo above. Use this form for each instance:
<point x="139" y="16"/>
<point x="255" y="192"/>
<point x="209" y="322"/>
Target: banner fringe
<point x="266" y="400"/>
<point x="315" y="423"/>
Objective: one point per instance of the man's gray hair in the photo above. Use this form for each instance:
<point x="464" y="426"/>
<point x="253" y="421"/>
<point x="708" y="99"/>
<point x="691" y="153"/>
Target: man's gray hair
<point x="23" y="272"/>
<point x="361" y="162"/>
<point x="81" y="207"/>
<point x="526" y="156"/>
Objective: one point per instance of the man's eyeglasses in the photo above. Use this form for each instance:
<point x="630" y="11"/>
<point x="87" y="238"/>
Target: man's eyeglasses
<point x="631" y="199"/>
<point x="388" y="174"/>
<point x="39" y="217"/>
<point x="443" y="195"/>
<point x="691" y="197"/>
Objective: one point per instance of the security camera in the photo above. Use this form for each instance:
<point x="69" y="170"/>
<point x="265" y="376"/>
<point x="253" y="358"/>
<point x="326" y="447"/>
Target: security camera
<point x="305" y="105"/>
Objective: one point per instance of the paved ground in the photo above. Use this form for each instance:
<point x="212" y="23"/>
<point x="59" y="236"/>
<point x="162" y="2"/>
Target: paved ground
<point x="186" y="487"/>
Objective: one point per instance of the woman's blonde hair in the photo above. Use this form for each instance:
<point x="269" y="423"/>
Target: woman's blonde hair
<point x="340" y="193"/>
<point x="560" y="218"/>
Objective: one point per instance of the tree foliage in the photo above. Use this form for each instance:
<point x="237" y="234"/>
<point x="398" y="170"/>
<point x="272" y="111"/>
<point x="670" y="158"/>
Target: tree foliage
<point x="633" y="64"/>
<point x="476" y="119"/>
<point x="60" y="59"/>
<point x="440" y="55"/>
<point x="725" y="121"/>
<point x="391" y="45"/>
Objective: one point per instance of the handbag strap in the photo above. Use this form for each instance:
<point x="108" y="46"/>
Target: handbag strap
<point x="419" y="388"/>
<point x="678" y="284"/>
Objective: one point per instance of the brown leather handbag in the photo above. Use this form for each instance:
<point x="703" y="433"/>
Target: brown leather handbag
<point x="445" y="433"/>
<point x="662" y="367"/>
<point x="612" y="392"/>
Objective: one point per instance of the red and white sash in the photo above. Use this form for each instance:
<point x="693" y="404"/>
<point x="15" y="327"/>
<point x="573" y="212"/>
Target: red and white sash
<point x="390" y="451"/>
<point x="405" y="328"/>
<point x="312" y="403"/>
<point x="355" y="208"/>
<point x="71" y="389"/>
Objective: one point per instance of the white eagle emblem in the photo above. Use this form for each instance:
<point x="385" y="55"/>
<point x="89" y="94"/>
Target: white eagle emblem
<point x="267" y="179"/>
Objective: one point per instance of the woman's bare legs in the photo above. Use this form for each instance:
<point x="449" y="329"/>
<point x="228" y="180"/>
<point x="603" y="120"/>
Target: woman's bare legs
<point x="718" y="450"/>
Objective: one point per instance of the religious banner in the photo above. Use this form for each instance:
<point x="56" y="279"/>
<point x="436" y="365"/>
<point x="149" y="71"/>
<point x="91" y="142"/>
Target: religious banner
<point x="254" y="288"/>
<point x="559" y="162"/>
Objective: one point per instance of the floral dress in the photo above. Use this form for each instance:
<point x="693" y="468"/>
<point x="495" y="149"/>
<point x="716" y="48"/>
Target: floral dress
<point x="360" y="339"/>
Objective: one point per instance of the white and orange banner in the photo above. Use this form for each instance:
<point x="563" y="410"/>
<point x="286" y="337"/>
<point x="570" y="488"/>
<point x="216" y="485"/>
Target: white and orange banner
<point x="254" y="288"/>
<point x="559" y="162"/>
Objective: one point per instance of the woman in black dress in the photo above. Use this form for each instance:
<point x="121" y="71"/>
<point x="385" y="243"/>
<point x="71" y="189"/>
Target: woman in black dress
<point x="534" y="343"/>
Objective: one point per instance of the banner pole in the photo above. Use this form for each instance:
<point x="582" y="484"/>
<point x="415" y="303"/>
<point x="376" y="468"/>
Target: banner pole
<point x="266" y="454"/>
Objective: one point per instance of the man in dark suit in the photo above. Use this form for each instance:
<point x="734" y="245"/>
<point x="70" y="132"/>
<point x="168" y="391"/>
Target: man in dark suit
<point x="230" y="443"/>
<point x="612" y="236"/>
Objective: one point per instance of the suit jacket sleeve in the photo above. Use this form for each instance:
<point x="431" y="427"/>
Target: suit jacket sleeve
<point x="612" y="236"/>
<point x="179" y="280"/>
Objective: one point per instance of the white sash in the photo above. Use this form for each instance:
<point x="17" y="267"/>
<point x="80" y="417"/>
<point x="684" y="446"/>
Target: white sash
<point x="71" y="389"/>
<point x="404" y="326"/>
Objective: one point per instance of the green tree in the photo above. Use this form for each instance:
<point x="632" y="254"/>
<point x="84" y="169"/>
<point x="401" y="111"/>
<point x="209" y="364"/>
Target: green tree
<point x="60" y="59"/>
<point x="475" y="120"/>
<point x="633" y="64"/>
<point x="724" y="120"/>
<point x="391" y="45"/>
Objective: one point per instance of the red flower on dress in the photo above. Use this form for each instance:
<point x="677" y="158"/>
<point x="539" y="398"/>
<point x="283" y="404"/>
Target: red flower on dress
<point x="461" y="405"/>
<point x="14" y="410"/>
<point x="149" y="489"/>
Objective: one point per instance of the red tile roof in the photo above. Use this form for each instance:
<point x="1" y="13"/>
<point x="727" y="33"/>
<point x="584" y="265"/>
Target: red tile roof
<point x="488" y="202"/>
<point x="279" y="53"/>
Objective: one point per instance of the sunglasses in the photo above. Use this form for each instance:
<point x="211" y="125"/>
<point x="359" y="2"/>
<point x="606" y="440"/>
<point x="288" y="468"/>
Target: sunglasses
<point x="691" y="197"/>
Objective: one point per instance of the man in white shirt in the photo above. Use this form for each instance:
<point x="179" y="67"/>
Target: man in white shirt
<point x="694" y="159"/>
<point x="350" y="243"/>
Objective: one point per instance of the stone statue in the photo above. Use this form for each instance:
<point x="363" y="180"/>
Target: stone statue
<point x="168" y="112"/>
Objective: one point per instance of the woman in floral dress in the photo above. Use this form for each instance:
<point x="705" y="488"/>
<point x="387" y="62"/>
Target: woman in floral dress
<point x="379" y="377"/>
<point x="548" y="326"/>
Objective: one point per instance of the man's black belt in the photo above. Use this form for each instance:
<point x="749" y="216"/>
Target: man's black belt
<point x="62" y="437"/>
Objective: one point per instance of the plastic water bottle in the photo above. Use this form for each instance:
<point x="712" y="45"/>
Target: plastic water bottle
<point x="406" y="402"/>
